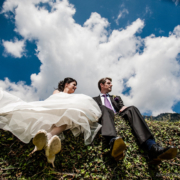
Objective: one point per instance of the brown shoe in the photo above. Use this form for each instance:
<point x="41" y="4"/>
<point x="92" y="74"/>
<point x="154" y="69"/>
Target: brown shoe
<point x="117" y="148"/>
<point x="159" y="153"/>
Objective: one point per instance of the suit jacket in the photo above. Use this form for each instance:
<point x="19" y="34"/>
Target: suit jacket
<point x="131" y="113"/>
<point x="107" y="118"/>
<point x="116" y="102"/>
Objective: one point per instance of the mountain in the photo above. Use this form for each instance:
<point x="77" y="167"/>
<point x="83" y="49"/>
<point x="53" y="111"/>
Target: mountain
<point x="172" y="117"/>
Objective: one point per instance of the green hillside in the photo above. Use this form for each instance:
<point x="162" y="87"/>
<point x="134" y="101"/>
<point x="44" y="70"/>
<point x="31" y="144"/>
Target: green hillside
<point x="77" y="161"/>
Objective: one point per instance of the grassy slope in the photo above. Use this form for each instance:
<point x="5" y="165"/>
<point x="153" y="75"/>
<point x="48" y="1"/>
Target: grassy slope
<point x="77" y="161"/>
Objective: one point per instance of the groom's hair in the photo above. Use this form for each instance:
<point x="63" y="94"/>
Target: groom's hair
<point x="103" y="80"/>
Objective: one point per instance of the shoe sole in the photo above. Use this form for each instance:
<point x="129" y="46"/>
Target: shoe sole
<point x="54" y="146"/>
<point x="169" y="154"/>
<point x="120" y="157"/>
<point x="40" y="140"/>
<point x="118" y="148"/>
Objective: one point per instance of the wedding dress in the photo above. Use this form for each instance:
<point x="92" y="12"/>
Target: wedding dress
<point x="79" y="112"/>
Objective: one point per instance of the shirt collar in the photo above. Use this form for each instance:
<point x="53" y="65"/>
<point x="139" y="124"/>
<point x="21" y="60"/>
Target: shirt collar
<point x="103" y="94"/>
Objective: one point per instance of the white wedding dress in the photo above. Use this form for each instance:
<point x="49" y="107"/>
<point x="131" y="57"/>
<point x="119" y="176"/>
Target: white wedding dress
<point x="24" y="119"/>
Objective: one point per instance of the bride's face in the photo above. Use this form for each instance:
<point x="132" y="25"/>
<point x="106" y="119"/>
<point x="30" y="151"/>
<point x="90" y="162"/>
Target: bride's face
<point x="71" y="87"/>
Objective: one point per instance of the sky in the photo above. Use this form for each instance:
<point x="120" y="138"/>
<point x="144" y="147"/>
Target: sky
<point x="136" y="43"/>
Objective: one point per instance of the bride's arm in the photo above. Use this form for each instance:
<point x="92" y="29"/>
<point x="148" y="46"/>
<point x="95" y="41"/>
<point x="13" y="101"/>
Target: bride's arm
<point x="56" y="91"/>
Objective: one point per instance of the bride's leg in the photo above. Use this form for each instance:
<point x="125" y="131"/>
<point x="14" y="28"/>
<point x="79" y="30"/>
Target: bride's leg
<point x="54" y="143"/>
<point x="56" y="131"/>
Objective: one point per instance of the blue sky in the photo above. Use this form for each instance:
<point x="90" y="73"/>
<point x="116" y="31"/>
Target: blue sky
<point x="137" y="43"/>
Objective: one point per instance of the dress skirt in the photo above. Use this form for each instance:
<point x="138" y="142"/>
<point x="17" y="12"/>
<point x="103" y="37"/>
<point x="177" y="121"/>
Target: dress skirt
<point x="79" y="112"/>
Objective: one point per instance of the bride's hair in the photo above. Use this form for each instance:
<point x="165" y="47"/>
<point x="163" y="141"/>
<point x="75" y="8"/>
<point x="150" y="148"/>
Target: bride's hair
<point x="61" y="84"/>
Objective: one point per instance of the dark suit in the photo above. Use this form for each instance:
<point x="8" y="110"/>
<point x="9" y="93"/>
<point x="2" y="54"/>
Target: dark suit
<point x="131" y="114"/>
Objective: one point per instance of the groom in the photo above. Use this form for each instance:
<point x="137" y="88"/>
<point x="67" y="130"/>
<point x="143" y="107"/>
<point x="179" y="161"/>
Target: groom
<point x="109" y="106"/>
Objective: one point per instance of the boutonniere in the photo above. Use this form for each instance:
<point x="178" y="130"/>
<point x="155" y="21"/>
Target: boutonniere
<point x="116" y="98"/>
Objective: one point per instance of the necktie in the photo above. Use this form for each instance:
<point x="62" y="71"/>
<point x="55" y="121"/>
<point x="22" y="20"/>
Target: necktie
<point x="106" y="102"/>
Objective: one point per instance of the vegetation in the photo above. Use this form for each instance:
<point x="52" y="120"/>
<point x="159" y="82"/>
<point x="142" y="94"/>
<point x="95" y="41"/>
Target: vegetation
<point x="77" y="161"/>
<point x="171" y="117"/>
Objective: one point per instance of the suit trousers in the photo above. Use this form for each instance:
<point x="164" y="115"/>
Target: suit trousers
<point x="137" y="123"/>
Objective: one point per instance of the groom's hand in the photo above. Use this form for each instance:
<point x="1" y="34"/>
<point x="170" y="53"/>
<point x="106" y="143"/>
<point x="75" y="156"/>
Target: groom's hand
<point x="122" y="109"/>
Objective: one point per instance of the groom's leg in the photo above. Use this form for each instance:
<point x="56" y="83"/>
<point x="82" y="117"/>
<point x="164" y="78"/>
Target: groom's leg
<point x="137" y="123"/>
<point x="156" y="153"/>
<point x="108" y="130"/>
<point x="107" y="121"/>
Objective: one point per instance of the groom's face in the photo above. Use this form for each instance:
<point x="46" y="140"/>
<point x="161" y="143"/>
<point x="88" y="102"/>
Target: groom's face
<point x="107" y="86"/>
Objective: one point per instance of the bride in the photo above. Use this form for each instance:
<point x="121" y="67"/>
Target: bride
<point x="45" y="120"/>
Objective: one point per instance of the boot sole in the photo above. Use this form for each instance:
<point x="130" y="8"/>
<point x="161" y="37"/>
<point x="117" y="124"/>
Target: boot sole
<point x="118" y="148"/>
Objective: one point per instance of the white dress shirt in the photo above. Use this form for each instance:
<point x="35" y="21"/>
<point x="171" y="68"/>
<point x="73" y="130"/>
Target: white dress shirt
<point x="102" y="100"/>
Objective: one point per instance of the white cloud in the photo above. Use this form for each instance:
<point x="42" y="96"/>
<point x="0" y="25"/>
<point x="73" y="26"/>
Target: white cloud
<point x="161" y="31"/>
<point x="15" y="48"/>
<point x="148" y="10"/>
<point x="121" y="15"/>
<point x="89" y="52"/>
<point x="27" y="93"/>
<point x="155" y="85"/>
<point x="176" y="2"/>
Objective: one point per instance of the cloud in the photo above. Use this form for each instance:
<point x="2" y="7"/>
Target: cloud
<point x="148" y="10"/>
<point x="147" y="66"/>
<point x="176" y="2"/>
<point x="155" y="85"/>
<point x="159" y="30"/>
<point x="15" y="48"/>
<point x="121" y="15"/>
<point x="27" y="93"/>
